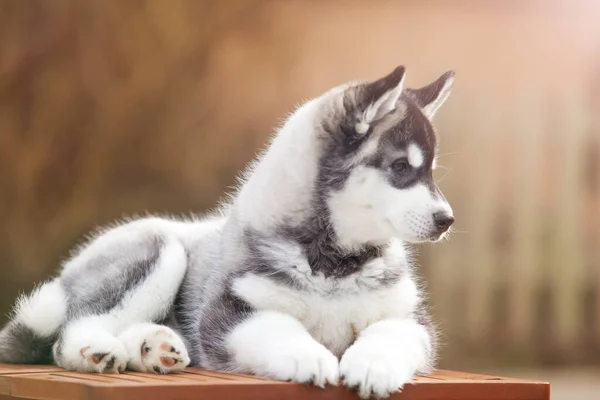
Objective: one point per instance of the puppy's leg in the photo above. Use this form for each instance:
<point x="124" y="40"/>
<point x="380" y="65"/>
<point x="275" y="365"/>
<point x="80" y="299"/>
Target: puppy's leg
<point x="89" y="345"/>
<point x="152" y="298"/>
<point x="385" y="356"/>
<point x="154" y="348"/>
<point x="277" y="346"/>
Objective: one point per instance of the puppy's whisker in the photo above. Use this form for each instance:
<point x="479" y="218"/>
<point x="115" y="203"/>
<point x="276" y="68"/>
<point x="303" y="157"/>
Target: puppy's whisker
<point x="444" y="168"/>
<point x="448" y="154"/>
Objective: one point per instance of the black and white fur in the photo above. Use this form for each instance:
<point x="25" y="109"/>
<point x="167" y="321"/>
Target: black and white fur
<point x="303" y="275"/>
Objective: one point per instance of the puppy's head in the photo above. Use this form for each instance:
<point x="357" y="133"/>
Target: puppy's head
<point x="376" y="170"/>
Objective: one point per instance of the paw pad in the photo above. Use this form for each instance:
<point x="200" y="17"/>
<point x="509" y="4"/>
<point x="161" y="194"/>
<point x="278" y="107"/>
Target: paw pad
<point x="163" y="352"/>
<point x="168" y="361"/>
<point x="104" y="360"/>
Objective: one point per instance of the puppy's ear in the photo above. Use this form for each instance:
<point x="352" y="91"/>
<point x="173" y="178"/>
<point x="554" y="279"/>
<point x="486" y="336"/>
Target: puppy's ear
<point x="375" y="99"/>
<point x="431" y="97"/>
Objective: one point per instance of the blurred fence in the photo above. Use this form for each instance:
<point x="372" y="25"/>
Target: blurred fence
<point x="520" y="279"/>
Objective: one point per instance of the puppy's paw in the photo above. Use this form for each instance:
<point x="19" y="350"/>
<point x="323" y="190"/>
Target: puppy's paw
<point x="107" y="355"/>
<point x="155" y="348"/>
<point x="163" y="351"/>
<point x="373" y="370"/>
<point x="305" y="361"/>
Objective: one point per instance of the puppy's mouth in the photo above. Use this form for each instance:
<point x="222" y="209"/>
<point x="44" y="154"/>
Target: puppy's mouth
<point x="431" y="237"/>
<point x="437" y="236"/>
<point x="420" y="239"/>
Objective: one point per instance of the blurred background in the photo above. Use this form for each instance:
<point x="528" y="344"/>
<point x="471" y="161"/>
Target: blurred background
<point x="115" y="108"/>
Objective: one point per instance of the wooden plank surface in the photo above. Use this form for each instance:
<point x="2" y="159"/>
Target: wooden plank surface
<point x="51" y="383"/>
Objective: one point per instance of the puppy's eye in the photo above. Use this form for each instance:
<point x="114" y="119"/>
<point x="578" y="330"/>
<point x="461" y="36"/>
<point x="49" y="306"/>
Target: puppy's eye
<point x="400" y="166"/>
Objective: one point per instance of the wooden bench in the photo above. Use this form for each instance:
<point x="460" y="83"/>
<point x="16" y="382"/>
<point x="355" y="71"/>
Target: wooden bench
<point x="51" y="383"/>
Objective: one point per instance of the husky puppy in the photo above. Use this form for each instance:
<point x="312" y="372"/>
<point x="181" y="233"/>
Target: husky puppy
<point x="303" y="275"/>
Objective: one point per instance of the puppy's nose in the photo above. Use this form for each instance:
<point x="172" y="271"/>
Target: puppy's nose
<point x="442" y="221"/>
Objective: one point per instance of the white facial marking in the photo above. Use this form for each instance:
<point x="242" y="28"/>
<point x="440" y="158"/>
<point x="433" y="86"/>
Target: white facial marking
<point x="370" y="209"/>
<point x="415" y="155"/>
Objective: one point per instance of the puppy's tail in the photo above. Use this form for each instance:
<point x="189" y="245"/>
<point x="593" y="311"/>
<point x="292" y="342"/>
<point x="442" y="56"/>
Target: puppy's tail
<point x="36" y="320"/>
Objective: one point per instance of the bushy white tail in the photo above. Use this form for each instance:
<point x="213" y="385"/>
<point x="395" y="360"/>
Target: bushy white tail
<point x="34" y="326"/>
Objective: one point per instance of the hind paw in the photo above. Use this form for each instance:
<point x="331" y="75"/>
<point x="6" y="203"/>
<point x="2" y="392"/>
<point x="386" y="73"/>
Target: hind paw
<point x="158" y="349"/>
<point x="106" y="357"/>
<point x="164" y="352"/>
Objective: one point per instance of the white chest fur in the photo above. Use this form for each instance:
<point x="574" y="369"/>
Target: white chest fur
<point x="333" y="320"/>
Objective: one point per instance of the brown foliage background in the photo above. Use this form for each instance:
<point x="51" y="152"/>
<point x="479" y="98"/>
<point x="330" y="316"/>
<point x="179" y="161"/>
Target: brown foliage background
<point x="115" y="108"/>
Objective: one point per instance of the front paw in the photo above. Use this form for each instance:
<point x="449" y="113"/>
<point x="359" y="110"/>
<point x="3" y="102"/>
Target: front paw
<point x="304" y="361"/>
<point x="374" y="370"/>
